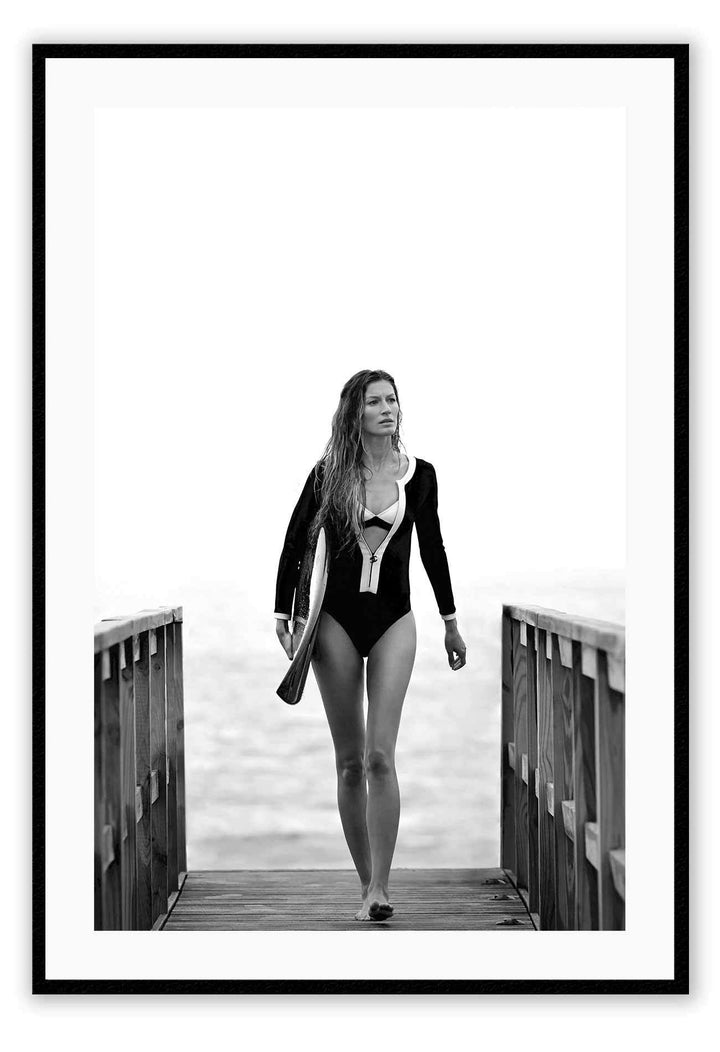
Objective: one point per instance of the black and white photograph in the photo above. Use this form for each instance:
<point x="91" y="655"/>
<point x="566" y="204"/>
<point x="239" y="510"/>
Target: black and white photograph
<point x="358" y="383"/>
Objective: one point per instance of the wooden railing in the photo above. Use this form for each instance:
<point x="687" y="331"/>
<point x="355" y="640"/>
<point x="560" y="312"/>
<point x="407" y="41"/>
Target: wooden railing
<point x="140" y="856"/>
<point x="563" y="766"/>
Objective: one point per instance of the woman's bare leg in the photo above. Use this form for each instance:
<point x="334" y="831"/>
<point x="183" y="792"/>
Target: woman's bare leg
<point x="389" y="666"/>
<point x="338" y="670"/>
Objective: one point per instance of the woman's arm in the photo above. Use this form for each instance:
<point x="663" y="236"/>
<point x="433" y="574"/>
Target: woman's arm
<point x="434" y="558"/>
<point x="432" y="549"/>
<point x="295" y="543"/>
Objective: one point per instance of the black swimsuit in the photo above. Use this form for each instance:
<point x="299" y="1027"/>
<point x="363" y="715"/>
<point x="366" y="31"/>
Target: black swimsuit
<point x="368" y="590"/>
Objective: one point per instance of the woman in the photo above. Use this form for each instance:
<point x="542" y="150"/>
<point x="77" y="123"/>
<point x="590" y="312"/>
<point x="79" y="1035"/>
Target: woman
<point x="366" y="495"/>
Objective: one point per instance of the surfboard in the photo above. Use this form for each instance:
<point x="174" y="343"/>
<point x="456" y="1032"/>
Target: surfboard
<point x="293" y="683"/>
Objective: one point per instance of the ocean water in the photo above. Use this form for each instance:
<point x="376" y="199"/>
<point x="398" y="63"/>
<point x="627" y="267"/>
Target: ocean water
<point x="260" y="774"/>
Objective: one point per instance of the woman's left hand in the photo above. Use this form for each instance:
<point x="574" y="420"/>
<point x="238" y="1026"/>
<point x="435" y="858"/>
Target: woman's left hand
<point x="455" y="646"/>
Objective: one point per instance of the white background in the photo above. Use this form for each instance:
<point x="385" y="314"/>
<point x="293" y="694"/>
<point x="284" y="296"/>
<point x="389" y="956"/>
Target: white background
<point x="73" y="88"/>
<point x="459" y="22"/>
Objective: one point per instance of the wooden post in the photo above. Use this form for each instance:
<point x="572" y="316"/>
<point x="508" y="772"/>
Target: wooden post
<point x="142" y="777"/>
<point x="532" y="762"/>
<point x="507" y="814"/>
<point x="546" y="832"/>
<point x="110" y="703"/>
<point x="519" y="651"/>
<point x="563" y="784"/>
<point x="127" y="786"/>
<point x="99" y="794"/>
<point x="586" y="898"/>
<point x="172" y="733"/>
<point x="610" y="770"/>
<point x="158" y="775"/>
<point x="180" y="761"/>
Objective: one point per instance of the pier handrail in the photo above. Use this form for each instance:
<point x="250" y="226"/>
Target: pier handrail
<point x="140" y="846"/>
<point x="563" y="766"/>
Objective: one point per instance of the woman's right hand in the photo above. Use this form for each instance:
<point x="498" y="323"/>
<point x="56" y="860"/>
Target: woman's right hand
<point x="285" y="636"/>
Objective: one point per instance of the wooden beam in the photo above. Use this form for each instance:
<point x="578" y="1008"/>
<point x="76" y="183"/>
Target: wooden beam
<point x="507" y="751"/>
<point x="115" y="630"/>
<point x="617" y="866"/>
<point x="158" y="765"/>
<point x="562" y="686"/>
<point x="591" y="844"/>
<point x="112" y="801"/>
<point x="586" y="880"/>
<point x="604" y="635"/>
<point x="145" y="787"/>
<point x="610" y="768"/>
<point x="546" y="833"/>
<point x="520" y="656"/>
<point x="565" y="647"/>
<point x="568" y="813"/>
<point x="128" y="783"/>
<point x="531" y="760"/>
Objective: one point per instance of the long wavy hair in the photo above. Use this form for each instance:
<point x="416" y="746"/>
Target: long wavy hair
<point x="344" y="474"/>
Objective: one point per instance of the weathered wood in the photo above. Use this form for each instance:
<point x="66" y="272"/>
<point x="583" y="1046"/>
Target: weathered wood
<point x="180" y="752"/>
<point x="617" y="865"/>
<point x="524" y="768"/>
<point x="616" y="672"/>
<point x="115" y="630"/>
<point x="127" y="787"/>
<point x="171" y="768"/>
<point x="546" y="833"/>
<point x="519" y="660"/>
<point x="562" y="784"/>
<point x="99" y="795"/>
<point x="107" y="848"/>
<point x="589" y="661"/>
<point x="565" y="646"/>
<point x="322" y="900"/>
<point x="133" y="782"/>
<point x="601" y="634"/>
<point x="592" y="852"/>
<point x="158" y="763"/>
<point x="143" y="831"/>
<point x="610" y="773"/>
<point x="507" y="758"/>
<point x="529" y="774"/>
<point x="583" y="697"/>
<point x="110" y="718"/>
<point x="568" y="813"/>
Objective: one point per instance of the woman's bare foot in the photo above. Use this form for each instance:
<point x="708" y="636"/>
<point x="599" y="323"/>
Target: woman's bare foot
<point x="378" y="906"/>
<point x="362" y="913"/>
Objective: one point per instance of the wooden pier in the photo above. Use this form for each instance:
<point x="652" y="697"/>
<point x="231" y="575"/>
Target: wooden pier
<point x="562" y="769"/>
<point x="325" y="900"/>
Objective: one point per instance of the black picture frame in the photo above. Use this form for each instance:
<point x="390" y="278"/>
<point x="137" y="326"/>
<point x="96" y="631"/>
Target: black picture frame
<point x="679" y="55"/>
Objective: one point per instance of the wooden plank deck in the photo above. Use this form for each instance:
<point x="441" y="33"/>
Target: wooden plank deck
<point x="325" y="900"/>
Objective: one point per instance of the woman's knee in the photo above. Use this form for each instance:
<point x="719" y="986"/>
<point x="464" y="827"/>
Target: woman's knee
<point x="379" y="763"/>
<point x="351" y="770"/>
